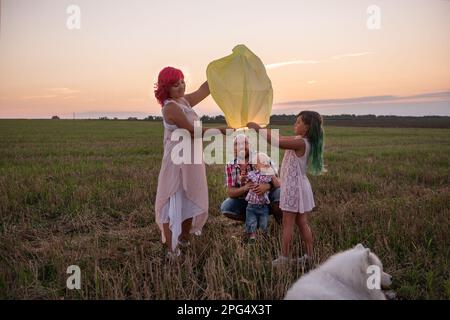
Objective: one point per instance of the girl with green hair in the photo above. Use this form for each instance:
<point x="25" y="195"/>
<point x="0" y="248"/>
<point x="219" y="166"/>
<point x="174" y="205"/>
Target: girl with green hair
<point x="303" y="151"/>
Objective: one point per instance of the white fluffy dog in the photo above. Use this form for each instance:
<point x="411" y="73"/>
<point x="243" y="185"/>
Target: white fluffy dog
<point x="344" y="276"/>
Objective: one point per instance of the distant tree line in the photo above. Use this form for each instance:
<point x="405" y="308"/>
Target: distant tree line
<point x="352" y="120"/>
<point x="345" y="120"/>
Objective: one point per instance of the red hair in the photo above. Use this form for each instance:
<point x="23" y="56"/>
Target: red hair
<point x="166" y="79"/>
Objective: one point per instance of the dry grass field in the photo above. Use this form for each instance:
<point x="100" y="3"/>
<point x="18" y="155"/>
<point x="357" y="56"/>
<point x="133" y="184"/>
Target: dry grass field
<point x="82" y="193"/>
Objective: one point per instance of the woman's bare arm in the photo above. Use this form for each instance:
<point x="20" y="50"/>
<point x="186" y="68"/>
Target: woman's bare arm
<point x="174" y="115"/>
<point x="196" y="97"/>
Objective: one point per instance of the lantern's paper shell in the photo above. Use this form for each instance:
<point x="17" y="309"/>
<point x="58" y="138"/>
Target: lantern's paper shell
<point x="241" y="88"/>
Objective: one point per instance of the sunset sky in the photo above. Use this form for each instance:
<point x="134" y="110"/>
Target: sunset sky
<point x="319" y="54"/>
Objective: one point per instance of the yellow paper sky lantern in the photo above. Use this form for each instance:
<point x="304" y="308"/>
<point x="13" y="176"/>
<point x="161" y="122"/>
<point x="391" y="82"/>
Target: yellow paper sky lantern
<point x="241" y="88"/>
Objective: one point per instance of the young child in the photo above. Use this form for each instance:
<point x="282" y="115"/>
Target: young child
<point x="297" y="200"/>
<point x="257" y="212"/>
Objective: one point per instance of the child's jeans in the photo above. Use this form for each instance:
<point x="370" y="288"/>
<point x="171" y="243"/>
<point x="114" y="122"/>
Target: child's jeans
<point x="257" y="215"/>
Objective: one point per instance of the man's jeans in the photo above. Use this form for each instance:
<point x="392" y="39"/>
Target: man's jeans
<point x="257" y="217"/>
<point x="235" y="208"/>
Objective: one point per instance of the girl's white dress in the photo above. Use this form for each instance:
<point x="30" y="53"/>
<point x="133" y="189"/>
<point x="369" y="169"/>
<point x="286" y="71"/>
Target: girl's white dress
<point x="296" y="193"/>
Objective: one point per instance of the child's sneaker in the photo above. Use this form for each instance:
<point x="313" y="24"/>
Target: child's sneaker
<point x="252" y="238"/>
<point x="280" y="261"/>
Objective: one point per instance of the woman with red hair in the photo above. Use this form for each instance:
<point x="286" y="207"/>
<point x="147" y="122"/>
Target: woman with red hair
<point x="181" y="206"/>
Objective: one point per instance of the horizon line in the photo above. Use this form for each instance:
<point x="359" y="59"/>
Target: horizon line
<point x="276" y="114"/>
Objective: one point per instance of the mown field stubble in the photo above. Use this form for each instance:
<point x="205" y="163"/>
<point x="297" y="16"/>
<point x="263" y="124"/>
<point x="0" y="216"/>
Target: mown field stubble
<point x="82" y="193"/>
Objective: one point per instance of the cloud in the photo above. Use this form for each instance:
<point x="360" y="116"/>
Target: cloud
<point x="63" y="90"/>
<point x="337" y="57"/>
<point x="350" y="55"/>
<point x="311" y="81"/>
<point x="424" y="97"/>
<point x="439" y="94"/>
<point x="43" y="96"/>
<point x="287" y="63"/>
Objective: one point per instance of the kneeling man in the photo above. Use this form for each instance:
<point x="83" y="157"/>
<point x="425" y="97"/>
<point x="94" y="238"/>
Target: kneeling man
<point x="234" y="207"/>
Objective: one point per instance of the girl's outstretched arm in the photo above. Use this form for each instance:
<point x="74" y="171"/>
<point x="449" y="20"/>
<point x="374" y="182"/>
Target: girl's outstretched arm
<point x="284" y="142"/>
